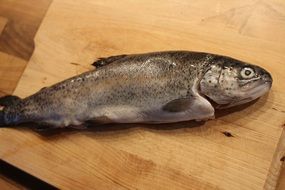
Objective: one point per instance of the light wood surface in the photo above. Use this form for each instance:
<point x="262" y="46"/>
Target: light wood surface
<point x="281" y="181"/>
<point x="23" y="20"/>
<point x="280" y="154"/>
<point x="11" y="69"/>
<point x="19" y="21"/>
<point x="3" y="22"/>
<point x="174" y="156"/>
<point x="275" y="169"/>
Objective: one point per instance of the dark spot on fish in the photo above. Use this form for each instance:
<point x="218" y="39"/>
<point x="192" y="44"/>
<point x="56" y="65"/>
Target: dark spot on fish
<point x="210" y="81"/>
<point x="282" y="159"/>
<point x="74" y="63"/>
<point x="171" y="65"/>
<point x="227" y="134"/>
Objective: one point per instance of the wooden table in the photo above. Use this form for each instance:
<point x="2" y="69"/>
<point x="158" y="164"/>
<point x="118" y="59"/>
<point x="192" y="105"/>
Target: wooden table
<point x="180" y="156"/>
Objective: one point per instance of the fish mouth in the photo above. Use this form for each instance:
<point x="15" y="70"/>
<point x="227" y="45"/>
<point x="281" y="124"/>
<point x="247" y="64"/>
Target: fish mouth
<point x="252" y="94"/>
<point x="260" y="90"/>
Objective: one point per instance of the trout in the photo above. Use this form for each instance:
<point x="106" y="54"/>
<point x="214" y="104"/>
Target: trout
<point x="157" y="87"/>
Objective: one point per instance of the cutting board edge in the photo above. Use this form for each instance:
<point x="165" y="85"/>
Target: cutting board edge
<point x="276" y="164"/>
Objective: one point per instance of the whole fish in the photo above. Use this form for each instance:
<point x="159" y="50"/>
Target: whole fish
<point x="159" y="87"/>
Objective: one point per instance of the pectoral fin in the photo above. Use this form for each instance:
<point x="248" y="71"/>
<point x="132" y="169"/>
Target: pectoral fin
<point x="178" y="105"/>
<point x="195" y="107"/>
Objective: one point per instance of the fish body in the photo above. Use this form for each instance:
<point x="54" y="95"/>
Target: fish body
<point x="159" y="87"/>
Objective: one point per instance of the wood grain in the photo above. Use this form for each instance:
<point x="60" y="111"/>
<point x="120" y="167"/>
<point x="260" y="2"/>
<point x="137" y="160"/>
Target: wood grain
<point x="24" y="18"/>
<point x="174" y="156"/>
<point x="3" y="22"/>
<point x="281" y="181"/>
<point x="19" y="21"/>
<point x="276" y="165"/>
<point x="7" y="184"/>
<point x="11" y="69"/>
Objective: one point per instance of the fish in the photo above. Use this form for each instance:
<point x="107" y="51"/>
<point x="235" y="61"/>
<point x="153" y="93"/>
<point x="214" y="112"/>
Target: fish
<point x="155" y="87"/>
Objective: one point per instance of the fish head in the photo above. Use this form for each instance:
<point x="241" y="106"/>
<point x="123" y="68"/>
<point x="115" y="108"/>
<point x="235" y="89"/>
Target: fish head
<point x="230" y="82"/>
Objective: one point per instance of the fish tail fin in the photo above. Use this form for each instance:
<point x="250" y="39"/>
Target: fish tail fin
<point x="8" y="110"/>
<point x="9" y="100"/>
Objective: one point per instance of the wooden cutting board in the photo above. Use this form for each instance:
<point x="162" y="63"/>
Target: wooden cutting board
<point x="171" y="156"/>
<point x="3" y="22"/>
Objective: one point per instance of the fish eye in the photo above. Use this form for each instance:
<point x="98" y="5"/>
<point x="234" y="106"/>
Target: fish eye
<point x="247" y="73"/>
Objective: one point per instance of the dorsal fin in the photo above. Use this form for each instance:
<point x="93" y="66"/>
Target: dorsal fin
<point x="107" y="60"/>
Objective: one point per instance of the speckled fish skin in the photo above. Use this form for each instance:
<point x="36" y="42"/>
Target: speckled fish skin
<point x="158" y="87"/>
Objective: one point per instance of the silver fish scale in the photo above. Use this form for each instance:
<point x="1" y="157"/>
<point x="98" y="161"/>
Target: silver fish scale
<point x="144" y="82"/>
